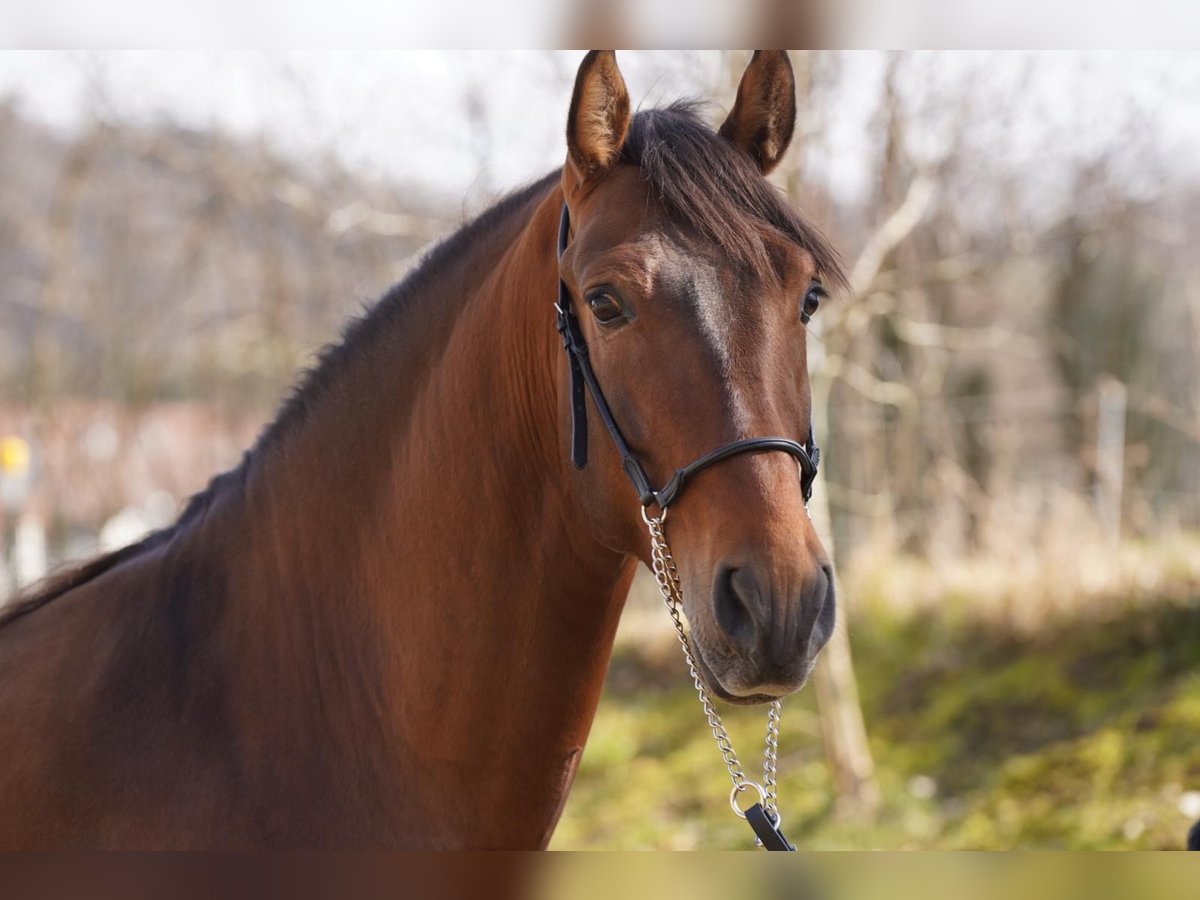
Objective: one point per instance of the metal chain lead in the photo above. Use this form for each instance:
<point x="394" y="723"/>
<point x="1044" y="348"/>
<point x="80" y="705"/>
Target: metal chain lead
<point x="667" y="576"/>
<point x="770" y="755"/>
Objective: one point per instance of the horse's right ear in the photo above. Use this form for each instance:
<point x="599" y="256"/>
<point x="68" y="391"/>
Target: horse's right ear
<point x="599" y="117"/>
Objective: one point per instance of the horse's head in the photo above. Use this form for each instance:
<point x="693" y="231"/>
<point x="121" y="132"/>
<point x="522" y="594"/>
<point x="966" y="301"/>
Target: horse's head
<point x="693" y="283"/>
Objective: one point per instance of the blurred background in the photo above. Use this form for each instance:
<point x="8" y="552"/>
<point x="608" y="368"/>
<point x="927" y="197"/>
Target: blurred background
<point x="1008" y="401"/>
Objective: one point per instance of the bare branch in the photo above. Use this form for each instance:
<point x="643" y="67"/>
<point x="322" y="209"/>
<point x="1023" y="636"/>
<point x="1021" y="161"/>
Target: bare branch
<point x="362" y="216"/>
<point x="899" y="225"/>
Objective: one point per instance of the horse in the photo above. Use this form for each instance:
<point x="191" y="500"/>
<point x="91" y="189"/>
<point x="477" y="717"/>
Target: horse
<point x="389" y="625"/>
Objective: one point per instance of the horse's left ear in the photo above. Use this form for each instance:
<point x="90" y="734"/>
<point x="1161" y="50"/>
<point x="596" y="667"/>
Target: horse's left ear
<point x="764" y="115"/>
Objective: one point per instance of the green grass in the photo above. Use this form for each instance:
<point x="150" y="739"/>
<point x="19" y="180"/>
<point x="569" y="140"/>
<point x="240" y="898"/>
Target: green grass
<point x="1082" y="736"/>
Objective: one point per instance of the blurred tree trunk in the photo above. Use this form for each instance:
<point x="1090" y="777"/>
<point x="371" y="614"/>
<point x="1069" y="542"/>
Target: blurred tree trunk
<point x="44" y="376"/>
<point x="843" y="731"/>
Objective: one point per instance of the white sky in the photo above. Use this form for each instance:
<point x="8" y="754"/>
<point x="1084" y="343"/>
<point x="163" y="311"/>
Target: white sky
<point x="404" y="114"/>
<point x="399" y="113"/>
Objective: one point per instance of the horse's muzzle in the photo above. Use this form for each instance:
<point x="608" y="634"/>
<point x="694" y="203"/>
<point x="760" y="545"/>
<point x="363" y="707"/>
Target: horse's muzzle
<point x="774" y="632"/>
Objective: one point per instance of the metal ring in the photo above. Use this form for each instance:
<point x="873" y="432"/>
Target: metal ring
<point x="741" y="788"/>
<point x="649" y="519"/>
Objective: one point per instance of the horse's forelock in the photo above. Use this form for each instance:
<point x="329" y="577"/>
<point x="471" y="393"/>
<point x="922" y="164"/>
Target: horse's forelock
<point x="713" y="188"/>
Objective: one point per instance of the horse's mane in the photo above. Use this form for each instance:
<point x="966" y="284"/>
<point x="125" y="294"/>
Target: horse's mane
<point x="71" y="577"/>
<point x="702" y="181"/>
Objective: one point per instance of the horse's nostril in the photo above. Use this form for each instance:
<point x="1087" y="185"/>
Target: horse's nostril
<point x="735" y="595"/>
<point x="824" y="610"/>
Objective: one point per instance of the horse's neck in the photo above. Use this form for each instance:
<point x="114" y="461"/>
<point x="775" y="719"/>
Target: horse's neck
<point x="421" y="566"/>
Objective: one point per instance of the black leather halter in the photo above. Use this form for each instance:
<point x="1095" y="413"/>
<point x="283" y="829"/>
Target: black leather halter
<point x="582" y="374"/>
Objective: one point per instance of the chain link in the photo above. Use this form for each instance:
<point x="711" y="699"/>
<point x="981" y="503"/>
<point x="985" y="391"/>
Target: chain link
<point x="666" y="574"/>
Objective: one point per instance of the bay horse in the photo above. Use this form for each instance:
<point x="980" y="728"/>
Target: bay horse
<point x="389" y="625"/>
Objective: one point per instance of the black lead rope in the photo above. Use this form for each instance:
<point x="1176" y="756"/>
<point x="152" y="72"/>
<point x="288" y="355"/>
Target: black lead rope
<point x="583" y="382"/>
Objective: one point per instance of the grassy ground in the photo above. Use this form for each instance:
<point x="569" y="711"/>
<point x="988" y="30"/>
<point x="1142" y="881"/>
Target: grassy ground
<point x="1083" y="734"/>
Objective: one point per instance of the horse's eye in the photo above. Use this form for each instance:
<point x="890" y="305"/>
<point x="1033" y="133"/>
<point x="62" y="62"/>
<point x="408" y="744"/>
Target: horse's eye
<point x="605" y="307"/>
<point x="812" y="301"/>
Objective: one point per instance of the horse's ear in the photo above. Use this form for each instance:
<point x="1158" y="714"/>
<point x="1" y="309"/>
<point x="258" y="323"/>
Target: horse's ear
<point x="599" y="117"/>
<point x="764" y="116"/>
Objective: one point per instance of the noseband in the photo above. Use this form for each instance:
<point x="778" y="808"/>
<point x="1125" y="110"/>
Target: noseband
<point x="582" y="374"/>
